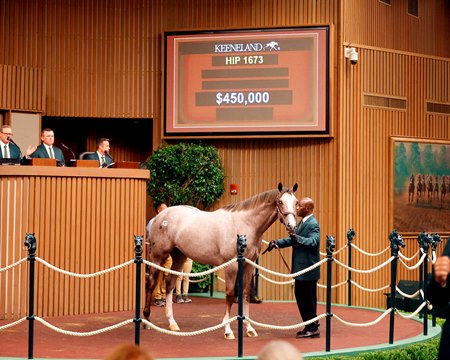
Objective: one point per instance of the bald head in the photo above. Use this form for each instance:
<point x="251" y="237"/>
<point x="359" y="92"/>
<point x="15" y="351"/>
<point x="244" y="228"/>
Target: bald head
<point x="305" y="207"/>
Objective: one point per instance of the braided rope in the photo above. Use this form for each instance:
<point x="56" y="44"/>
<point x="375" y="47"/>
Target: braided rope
<point x="407" y="258"/>
<point x="17" y="322"/>
<point x="12" y="265"/>
<point x="288" y="327"/>
<point x="87" y="333"/>
<point x="369" y="254"/>
<point x="276" y="282"/>
<point x="376" y="321"/>
<point x="223" y="280"/>
<point x="365" y="271"/>
<point x="301" y="272"/>
<point x="410" y="296"/>
<point x="196" y="281"/>
<point x="200" y="274"/>
<point x="433" y="257"/>
<point x="414" y="266"/>
<point x="333" y="286"/>
<point x="421" y="306"/>
<point x="83" y="276"/>
<point x="189" y="333"/>
<point x="367" y="289"/>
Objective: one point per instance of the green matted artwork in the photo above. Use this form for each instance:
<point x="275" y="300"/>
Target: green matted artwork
<point x="420" y="185"/>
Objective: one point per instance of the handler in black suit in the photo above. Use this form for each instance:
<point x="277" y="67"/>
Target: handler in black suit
<point x="305" y="244"/>
<point x="8" y="149"/>
<point x="46" y="150"/>
<point x="439" y="295"/>
<point x="102" y="153"/>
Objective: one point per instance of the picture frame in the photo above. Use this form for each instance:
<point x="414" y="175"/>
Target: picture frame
<point x="420" y="186"/>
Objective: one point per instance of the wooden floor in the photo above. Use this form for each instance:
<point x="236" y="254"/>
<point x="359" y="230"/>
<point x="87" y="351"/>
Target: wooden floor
<point x="201" y="313"/>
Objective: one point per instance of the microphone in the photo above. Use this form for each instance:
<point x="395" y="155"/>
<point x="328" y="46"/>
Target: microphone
<point x="107" y="154"/>
<point x="12" y="142"/>
<point x="67" y="148"/>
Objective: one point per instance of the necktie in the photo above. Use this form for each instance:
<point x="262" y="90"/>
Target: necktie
<point x="103" y="161"/>
<point x="6" y="152"/>
<point x="50" y="150"/>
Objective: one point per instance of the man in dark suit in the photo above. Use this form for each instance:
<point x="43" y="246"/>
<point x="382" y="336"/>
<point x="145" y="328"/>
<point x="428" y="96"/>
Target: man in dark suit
<point x="8" y="149"/>
<point x="102" y="153"/>
<point x="46" y="150"/>
<point x="439" y="295"/>
<point x="305" y="244"/>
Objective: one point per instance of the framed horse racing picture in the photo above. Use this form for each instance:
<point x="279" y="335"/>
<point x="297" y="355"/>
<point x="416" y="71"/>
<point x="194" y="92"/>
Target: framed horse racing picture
<point x="420" y="185"/>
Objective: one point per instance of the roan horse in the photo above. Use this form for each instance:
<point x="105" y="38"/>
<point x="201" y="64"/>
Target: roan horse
<point x="210" y="238"/>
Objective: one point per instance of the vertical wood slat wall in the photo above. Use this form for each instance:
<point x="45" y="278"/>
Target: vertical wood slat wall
<point x="104" y="59"/>
<point x="80" y="227"/>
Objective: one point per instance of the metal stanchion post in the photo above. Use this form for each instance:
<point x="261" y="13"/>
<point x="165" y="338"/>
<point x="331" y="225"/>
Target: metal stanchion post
<point x="138" y="261"/>
<point x="396" y="241"/>
<point x="241" y="245"/>
<point x="331" y="245"/>
<point x="30" y="243"/>
<point x="350" y="235"/>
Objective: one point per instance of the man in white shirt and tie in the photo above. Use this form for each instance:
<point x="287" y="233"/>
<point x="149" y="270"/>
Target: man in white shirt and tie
<point x="8" y="149"/>
<point x="102" y="153"/>
<point x="47" y="150"/>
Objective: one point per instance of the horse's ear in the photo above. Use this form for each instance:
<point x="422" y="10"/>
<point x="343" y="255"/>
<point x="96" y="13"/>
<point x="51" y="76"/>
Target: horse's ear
<point x="294" y="188"/>
<point x="280" y="186"/>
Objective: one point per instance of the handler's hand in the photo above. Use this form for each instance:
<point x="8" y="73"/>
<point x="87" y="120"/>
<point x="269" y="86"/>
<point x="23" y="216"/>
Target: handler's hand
<point x="272" y="245"/>
<point x="441" y="270"/>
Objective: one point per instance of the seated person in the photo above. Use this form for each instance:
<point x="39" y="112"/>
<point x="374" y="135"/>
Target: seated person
<point x="9" y="150"/>
<point x="46" y="150"/>
<point x="102" y="153"/>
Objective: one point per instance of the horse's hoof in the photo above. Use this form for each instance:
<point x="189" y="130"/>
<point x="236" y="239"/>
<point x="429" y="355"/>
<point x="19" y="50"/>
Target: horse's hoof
<point x="229" y="336"/>
<point x="174" y="327"/>
<point x="252" y="333"/>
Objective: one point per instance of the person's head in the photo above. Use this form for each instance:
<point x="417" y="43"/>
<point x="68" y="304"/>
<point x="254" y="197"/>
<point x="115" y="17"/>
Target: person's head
<point x="48" y="136"/>
<point x="305" y="207"/>
<point x="279" y="350"/>
<point x="103" y="145"/>
<point x="128" y="352"/>
<point x="160" y="207"/>
<point x="5" y="133"/>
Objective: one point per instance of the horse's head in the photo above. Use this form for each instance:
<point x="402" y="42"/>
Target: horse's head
<point x="287" y="205"/>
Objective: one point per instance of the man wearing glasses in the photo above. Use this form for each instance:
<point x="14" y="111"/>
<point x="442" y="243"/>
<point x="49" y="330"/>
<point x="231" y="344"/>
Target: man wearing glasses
<point x="9" y="150"/>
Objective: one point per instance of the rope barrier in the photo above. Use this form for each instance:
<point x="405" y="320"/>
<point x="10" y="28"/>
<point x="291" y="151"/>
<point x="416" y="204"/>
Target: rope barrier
<point x="365" y="271"/>
<point x="369" y="290"/>
<point x="333" y="286"/>
<point x="13" y="265"/>
<point x="369" y="254"/>
<point x="335" y="252"/>
<point x="414" y="313"/>
<point x="410" y="296"/>
<point x="298" y="273"/>
<point x="88" y="333"/>
<point x="189" y="333"/>
<point x="287" y="327"/>
<point x="83" y="276"/>
<point x="414" y="266"/>
<point x="200" y="274"/>
<point x="376" y="321"/>
<point x="407" y="258"/>
<point x="4" y="327"/>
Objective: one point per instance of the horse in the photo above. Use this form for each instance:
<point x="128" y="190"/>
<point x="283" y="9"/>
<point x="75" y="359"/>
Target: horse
<point x="430" y="188"/>
<point x="210" y="238"/>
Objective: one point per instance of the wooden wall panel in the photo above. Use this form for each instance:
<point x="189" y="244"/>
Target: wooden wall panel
<point x="78" y="218"/>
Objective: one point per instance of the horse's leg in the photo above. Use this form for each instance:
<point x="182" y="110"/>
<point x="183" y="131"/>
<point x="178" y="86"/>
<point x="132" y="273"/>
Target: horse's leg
<point x="178" y="260"/>
<point x="230" y="280"/>
<point x="250" y="331"/>
<point x="150" y="284"/>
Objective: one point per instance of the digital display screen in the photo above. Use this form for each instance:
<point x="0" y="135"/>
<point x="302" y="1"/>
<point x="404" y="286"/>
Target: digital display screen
<point x="239" y="82"/>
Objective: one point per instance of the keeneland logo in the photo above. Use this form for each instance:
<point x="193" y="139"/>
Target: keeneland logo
<point x="250" y="47"/>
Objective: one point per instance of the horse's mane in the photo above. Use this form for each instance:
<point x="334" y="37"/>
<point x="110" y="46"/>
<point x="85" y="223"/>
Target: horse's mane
<point x="262" y="198"/>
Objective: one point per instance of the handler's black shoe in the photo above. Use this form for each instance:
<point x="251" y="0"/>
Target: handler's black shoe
<point x="255" y="300"/>
<point x="308" y="334"/>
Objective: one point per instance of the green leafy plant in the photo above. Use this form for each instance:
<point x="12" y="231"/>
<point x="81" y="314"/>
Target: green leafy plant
<point x="186" y="174"/>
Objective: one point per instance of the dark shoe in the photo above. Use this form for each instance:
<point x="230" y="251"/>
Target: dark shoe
<point x="160" y="302"/>
<point x="308" y="334"/>
<point x="178" y="299"/>
<point x="186" y="299"/>
<point x="255" y="300"/>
